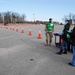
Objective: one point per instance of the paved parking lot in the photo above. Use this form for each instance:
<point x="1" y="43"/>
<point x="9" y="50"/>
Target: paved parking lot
<point x="23" y="54"/>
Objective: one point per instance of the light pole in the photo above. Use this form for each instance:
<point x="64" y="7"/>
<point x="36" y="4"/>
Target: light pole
<point x="11" y="17"/>
<point x="34" y="17"/>
<point x="3" y="15"/>
<point x="3" y="19"/>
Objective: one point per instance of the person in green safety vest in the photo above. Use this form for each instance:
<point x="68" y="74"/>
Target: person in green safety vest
<point x="49" y="28"/>
<point x="65" y="39"/>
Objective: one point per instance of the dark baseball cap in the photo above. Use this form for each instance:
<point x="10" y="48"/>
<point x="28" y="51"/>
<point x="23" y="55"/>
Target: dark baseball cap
<point x="50" y="18"/>
<point x="68" y="20"/>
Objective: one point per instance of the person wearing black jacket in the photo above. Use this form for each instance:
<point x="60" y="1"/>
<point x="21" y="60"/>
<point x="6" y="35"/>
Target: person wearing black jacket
<point x="64" y="39"/>
<point x="72" y="35"/>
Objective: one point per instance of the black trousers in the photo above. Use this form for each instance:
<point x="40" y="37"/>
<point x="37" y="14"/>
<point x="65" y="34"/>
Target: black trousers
<point x="69" y="46"/>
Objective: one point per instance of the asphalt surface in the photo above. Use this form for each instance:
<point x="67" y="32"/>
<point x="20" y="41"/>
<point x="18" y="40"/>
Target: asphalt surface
<point x="23" y="54"/>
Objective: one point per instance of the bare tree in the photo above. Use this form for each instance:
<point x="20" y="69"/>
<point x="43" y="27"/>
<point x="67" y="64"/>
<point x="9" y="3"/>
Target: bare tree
<point x="11" y="17"/>
<point x="1" y="18"/>
<point x="23" y="18"/>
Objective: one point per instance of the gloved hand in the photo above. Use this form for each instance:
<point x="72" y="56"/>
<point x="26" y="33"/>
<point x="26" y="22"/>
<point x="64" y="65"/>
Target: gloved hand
<point x="69" y="31"/>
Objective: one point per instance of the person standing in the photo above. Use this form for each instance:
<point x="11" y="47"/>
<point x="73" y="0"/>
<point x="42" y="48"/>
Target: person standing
<point x="49" y="28"/>
<point x="64" y="39"/>
<point x="72" y="35"/>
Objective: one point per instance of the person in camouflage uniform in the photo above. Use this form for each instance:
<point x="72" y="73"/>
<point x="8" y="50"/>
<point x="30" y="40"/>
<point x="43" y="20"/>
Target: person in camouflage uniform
<point x="49" y="28"/>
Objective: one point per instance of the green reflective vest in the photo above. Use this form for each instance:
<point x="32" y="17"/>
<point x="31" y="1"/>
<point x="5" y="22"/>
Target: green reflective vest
<point x="68" y="36"/>
<point x="49" y="26"/>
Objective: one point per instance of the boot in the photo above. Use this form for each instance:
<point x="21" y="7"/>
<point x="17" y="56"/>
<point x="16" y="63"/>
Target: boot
<point x="46" y="43"/>
<point x="65" y="52"/>
<point x="60" y="52"/>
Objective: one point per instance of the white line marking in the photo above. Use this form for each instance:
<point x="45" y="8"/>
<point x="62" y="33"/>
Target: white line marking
<point x="6" y="37"/>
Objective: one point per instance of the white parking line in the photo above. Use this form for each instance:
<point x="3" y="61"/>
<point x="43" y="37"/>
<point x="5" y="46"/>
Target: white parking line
<point x="6" y="37"/>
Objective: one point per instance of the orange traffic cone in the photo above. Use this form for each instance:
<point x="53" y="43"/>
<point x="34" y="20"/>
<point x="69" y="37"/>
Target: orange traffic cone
<point x="30" y="32"/>
<point x="6" y="27"/>
<point x="39" y="35"/>
<point x="60" y="41"/>
<point x="22" y="30"/>
<point x="0" y="26"/>
<point x="16" y="29"/>
<point x="10" y="28"/>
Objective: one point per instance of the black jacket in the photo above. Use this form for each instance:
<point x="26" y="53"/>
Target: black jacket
<point x="65" y="31"/>
<point x="72" y="34"/>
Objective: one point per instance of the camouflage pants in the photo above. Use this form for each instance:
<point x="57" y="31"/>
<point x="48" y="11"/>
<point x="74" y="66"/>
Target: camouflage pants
<point x="49" y="36"/>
